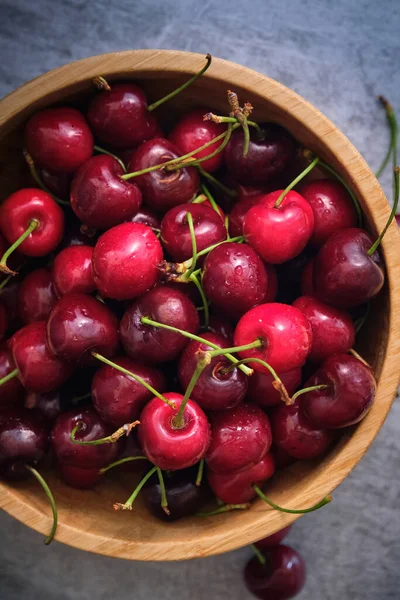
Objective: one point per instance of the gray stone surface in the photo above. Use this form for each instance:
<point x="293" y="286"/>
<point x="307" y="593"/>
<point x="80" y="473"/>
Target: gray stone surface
<point x="339" y="55"/>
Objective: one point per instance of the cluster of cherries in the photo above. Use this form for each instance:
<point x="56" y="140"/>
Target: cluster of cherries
<point x="218" y="324"/>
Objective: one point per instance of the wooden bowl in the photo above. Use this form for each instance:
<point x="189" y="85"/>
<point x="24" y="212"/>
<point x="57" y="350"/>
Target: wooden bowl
<point x="86" y="519"/>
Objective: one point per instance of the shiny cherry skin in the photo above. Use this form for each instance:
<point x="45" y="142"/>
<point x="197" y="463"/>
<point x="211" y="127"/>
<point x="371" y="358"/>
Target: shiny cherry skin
<point x="80" y="324"/>
<point x="208" y="227"/>
<point x="154" y="345"/>
<point x="282" y="577"/>
<point x="163" y="189"/>
<point x="332" y="207"/>
<point x="25" y="205"/>
<point x="285" y="332"/>
<point x="163" y="443"/>
<point x="12" y="392"/>
<point x="333" y="329"/>
<point x="221" y="326"/>
<point x="230" y="269"/>
<point x="125" y="261"/>
<point x="49" y="405"/>
<point x="273" y="540"/>
<point x="118" y="398"/>
<point x="214" y="390"/>
<point x="237" y="488"/>
<point x="348" y="397"/>
<point x="58" y="139"/>
<point x="280" y="233"/>
<point x="72" y="271"/>
<point x="307" y="278"/>
<point x="3" y="322"/>
<point x="262" y="392"/>
<point x="81" y="479"/>
<point x="344" y="274"/>
<point x="148" y="217"/>
<point x="99" y="197"/>
<point x="238" y="213"/>
<point x="92" y="428"/>
<point x="293" y="432"/>
<point x="192" y="131"/>
<point x="268" y="155"/>
<point x="119" y="117"/>
<point x="240" y="438"/>
<point x="36" y="296"/>
<point x="23" y="440"/>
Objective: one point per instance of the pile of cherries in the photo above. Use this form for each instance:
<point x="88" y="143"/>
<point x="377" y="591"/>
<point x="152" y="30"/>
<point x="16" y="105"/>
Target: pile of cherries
<point x="176" y="284"/>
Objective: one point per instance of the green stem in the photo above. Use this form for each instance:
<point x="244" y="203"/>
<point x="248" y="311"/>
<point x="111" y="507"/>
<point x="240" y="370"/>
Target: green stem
<point x="359" y="357"/>
<point x="188" y="263"/>
<point x="33" y="223"/>
<point x="103" y="151"/>
<point x="211" y="200"/>
<point x="226" y="223"/>
<point x="396" y="177"/>
<point x="223" y="509"/>
<point x="194" y="244"/>
<point x="259" y="555"/>
<point x="11" y="375"/>
<point x="109" y="439"/>
<point x="121" y="461"/>
<point x="256" y="344"/>
<point x="296" y="181"/>
<point x="200" y="472"/>
<point x="197" y="283"/>
<point x="217" y="183"/>
<point x="277" y="383"/>
<point x="392" y="122"/>
<point x="303" y="511"/>
<point x="182" y="87"/>
<point x="246" y="136"/>
<point x="328" y="168"/>
<point x="128" y="504"/>
<point x="35" y="175"/>
<point x="312" y="388"/>
<point x="164" y="501"/>
<point x="178" y="420"/>
<point x="50" y="496"/>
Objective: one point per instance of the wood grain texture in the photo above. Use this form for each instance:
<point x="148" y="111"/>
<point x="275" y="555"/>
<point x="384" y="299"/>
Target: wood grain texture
<point x="87" y="520"/>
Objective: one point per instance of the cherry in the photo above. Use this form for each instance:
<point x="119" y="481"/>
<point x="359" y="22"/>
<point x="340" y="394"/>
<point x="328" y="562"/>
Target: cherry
<point x="221" y="326"/>
<point x="230" y="269"/>
<point x="348" y="396"/>
<point x="151" y="344"/>
<point x="72" y="271"/>
<point x="147" y="217"/>
<point x="49" y="405"/>
<point x="333" y="329"/>
<point x="11" y="392"/>
<point x="118" y="398"/>
<point x="166" y="444"/>
<point x="307" y="278"/>
<point x="125" y="261"/>
<point x="269" y="154"/>
<point x="100" y="198"/>
<point x="58" y="139"/>
<point x="58" y="183"/>
<point x="237" y="488"/>
<point x="36" y="296"/>
<point x="293" y="432"/>
<point x="79" y="325"/>
<point x="240" y="438"/>
<point x="176" y="237"/>
<point x="239" y="212"/>
<point x="162" y="189"/>
<point x="192" y="131"/>
<point x="3" y="321"/>
<point x="278" y="228"/>
<point x="281" y="457"/>
<point x="261" y="389"/>
<point x="285" y="334"/>
<point x="273" y="540"/>
<point x="81" y="479"/>
<point x="280" y="578"/>
<point x="345" y="275"/>
<point x="217" y="388"/>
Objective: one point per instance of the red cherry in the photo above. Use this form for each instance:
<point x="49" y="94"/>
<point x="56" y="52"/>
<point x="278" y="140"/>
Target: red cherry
<point x="147" y="217"/>
<point x="239" y="212"/>
<point x="58" y="139"/>
<point x="192" y="131"/>
<point x="273" y="540"/>
<point x="72" y="271"/>
<point x="11" y="392"/>
<point x="240" y="438"/>
<point x="81" y="479"/>
<point x="3" y="321"/>
<point x="332" y="207"/>
<point x="262" y="392"/>
<point x="285" y="332"/>
<point x="237" y="488"/>
<point x="36" y="296"/>
<point x="99" y="197"/>
<point x="307" y="278"/>
<point x="167" y="446"/>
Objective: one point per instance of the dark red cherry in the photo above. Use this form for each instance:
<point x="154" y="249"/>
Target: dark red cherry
<point x="36" y="296"/>
<point x="11" y="392"/>
<point x="163" y="189"/>
<point x="240" y="438"/>
<point x="80" y="324"/>
<point x="239" y="211"/>
<point x="262" y="392"/>
<point x="58" y="183"/>
<point x="148" y="217"/>
<point x="208" y="228"/>
<point x="344" y="274"/>
<point x="119" y="116"/>
<point x="125" y="261"/>
<point x="348" y="397"/>
<point x="118" y="398"/>
<point x="153" y="345"/>
<point x="99" y="197"/>
<point x="192" y="131"/>
<point x="307" y="278"/>
<point x="3" y="321"/>
<point x="167" y="446"/>
<point x="237" y="488"/>
<point x="215" y="389"/>
<point x="281" y="457"/>
<point x="268" y="155"/>
<point x="282" y="577"/>
<point x="332" y="207"/>
<point x="49" y="405"/>
<point x="273" y="540"/>
<point x="81" y="479"/>
<point x="72" y="271"/>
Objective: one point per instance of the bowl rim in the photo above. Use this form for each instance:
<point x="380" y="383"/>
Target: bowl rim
<point x="365" y="185"/>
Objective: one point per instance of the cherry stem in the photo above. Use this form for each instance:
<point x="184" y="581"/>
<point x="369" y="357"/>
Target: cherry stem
<point x="188" y="263"/>
<point x="200" y="472"/>
<point x="102" y="84"/>
<point x="392" y="122"/>
<point x="320" y="504"/>
<point x="222" y="351"/>
<point x="194" y="244"/>
<point x="33" y="223"/>
<point x="396" y="182"/>
<point x="109" y="439"/>
<point x="183" y="86"/>
<point x="221" y="119"/>
<point x="296" y="181"/>
<point x="196" y="338"/>
<point x="121" y="461"/>
<point x="83" y="397"/>
<point x="178" y="420"/>
<point x="224" y="509"/>
<point x="164" y="501"/>
<point x="135" y="377"/>
<point x="312" y="388"/>
<point x="217" y="183"/>
<point x="197" y="283"/>
<point x="226" y="223"/>
<point x="277" y="383"/>
<point x="128" y="504"/>
<point x="360" y="322"/>
<point x="11" y="375"/>
<point x="259" y="555"/>
<point x="359" y="357"/>
<point x="103" y="151"/>
<point x="35" y="175"/>
<point x="50" y="496"/>
<point x="4" y="283"/>
<point x="208" y="194"/>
